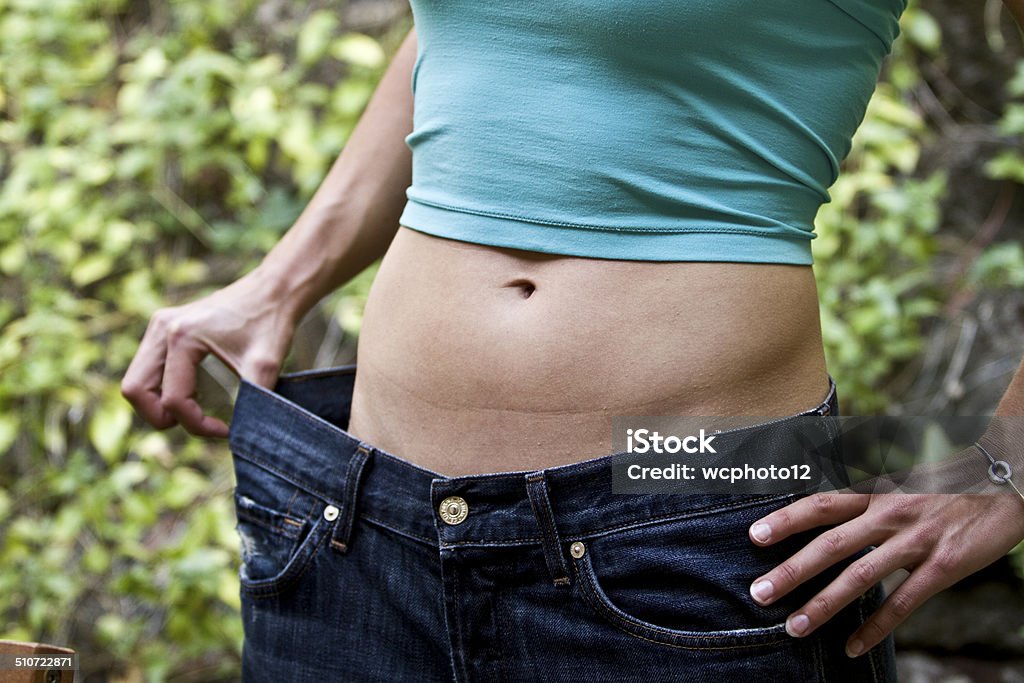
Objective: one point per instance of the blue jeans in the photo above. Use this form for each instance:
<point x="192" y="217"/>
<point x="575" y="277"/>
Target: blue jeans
<point x="360" y="566"/>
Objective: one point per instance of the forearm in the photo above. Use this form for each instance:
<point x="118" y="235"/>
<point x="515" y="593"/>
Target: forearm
<point x="1004" y="437"/>
<point x="354" y="214"/>
<point x="1012" y="402"/>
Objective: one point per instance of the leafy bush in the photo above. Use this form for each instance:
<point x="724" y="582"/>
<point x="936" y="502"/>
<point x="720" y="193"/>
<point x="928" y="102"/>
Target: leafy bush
<point x="877" y="236"/>
<point x="879" y="247"/>
<point x="150" y="152"/>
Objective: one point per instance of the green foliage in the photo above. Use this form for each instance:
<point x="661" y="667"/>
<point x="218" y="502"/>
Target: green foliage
<point x="878" y="244"/>
<point x="149" y="151"/>
<point x="874" y="252"/>
<point x="1003" y="265"/>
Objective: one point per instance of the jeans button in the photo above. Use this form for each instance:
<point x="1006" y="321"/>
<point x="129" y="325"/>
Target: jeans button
<point x="330" y="513"/>
<point x="454" y="510"/>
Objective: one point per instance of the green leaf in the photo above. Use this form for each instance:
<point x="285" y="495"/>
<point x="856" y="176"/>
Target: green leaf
<point x="921" y="29"/>
<point x="109" y="426"/>
<point x="91" y="268"/>
<point x="9" y="426"/>
<point x="315" y="36"/>
<point x="358" y="49"/>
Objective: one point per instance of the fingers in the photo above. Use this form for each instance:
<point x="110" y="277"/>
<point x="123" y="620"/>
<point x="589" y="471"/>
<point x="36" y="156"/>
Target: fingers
<point x="179" y="385"/>
<point x="852" y="583"/>
<point x="923" y="583"/>
<point x="831" y="547"/>
<point x="934" y="536"/>
<point x="160" y="380"/>
<point x="813" y="511"/>
<point x="142" y="381"/>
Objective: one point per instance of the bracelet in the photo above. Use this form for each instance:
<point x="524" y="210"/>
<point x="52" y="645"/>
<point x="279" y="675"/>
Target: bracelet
<point x="999" y="471"/>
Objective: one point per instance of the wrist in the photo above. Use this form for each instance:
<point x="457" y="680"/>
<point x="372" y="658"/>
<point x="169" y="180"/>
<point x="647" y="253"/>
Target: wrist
<point x="331" y="242"/>
<point x="281" y="288"/>
<point x="1004" y="439"/>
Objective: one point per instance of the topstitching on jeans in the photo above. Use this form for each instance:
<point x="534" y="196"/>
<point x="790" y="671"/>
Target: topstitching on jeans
<point x="593" y="533"/>
<point x="245" y="455"/>
<point x="317" y="373"/>
<point x="699" y="512"/>
<point x="294" y="569"/>
<point x="318" y="421"/>
<point x="432" y="542"/>
<point x="668" y="637"/>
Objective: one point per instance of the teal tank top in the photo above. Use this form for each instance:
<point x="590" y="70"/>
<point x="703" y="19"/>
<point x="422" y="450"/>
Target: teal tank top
<point x="667" y="130"/>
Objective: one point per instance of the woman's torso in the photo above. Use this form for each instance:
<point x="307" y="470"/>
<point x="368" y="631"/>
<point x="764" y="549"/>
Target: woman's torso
<point x="480" y="359"/>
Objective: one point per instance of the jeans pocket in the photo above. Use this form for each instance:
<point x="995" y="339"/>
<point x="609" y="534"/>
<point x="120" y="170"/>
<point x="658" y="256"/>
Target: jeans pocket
<point x="645" y="630"/>
<point x="684" y="582"/>
<point x="280" y="527"/>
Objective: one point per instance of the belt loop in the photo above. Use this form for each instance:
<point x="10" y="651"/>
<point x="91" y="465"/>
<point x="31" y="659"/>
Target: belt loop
<point x="830" y="454"/>
<point x="353" y="474"/>
<point x="831" y="403"/>
<point x="537" y="489"/>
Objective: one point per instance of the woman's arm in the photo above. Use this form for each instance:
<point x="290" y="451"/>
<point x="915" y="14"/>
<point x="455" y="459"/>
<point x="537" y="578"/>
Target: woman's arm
<point x="249" y="324"/>
<point x="939" y="538"/>
<point x="354" y="214"/>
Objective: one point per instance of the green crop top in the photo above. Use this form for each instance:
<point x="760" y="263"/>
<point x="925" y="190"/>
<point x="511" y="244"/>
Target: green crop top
<point x="665" y="130"/>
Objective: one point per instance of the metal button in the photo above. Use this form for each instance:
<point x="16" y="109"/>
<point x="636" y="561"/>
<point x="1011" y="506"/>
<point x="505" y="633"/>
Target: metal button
<point x="330" y="513"/>
<point x="454" y="510"/>
<point x="577" y="550"/>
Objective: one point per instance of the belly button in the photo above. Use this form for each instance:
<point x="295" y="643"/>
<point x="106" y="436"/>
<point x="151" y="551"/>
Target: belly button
<point x="525" y="287"/>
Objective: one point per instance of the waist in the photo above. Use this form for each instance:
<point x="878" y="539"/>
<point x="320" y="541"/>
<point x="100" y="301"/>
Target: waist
<point x="299" y="432"/>
<point x="469" y="354"/>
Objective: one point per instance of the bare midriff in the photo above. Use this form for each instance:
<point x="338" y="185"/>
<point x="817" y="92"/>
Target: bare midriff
<point x="476" y="359"/>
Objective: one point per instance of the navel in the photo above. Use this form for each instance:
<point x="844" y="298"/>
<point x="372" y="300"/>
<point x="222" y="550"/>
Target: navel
<point x="525" y="287"/>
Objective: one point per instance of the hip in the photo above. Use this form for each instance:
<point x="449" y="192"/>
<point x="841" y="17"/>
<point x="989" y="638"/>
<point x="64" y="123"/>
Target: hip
<point x="509" y="576"/>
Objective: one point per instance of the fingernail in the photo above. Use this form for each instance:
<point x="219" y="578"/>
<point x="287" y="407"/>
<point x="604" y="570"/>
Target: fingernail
<point x="855" y="648"/>
<point x="761" y="532"/>
<point x="797" y="625"/>
<point x="762" y="590"/>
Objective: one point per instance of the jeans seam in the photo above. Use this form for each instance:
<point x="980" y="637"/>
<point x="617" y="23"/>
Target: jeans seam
<point x="288" y="577"/>
<point x="461" y="656"/>
<point x="872" y="657"/>
<point x="291" y="501"/>
<point x="819" y="659"/>
<point x="532" y="540"/>
<point x="245" y="454"/>
<point x="292" y="532"/>
<point x="700" y="512"/>
<point x="432" y="542"/>
<point x="583" y="581"/>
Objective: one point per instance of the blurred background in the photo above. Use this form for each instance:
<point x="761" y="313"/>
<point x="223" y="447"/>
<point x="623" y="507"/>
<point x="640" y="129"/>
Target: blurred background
<point x="151" y="152"/>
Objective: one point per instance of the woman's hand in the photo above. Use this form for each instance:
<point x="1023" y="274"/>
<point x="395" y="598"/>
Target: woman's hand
<point x="244" y="324"/>
<point x="938" y="537"/>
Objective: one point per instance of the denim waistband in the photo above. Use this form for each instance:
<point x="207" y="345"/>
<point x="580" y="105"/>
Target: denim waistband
<point x="297" y="432"/>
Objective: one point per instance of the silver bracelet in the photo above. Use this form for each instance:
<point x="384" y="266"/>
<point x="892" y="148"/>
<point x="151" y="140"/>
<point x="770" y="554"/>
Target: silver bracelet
<point x="999" y="471"/>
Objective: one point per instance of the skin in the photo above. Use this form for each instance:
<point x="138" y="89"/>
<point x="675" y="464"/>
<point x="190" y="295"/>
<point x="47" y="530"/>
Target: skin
<point x="470" y="354"/>
<point x="474" y="359"/>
